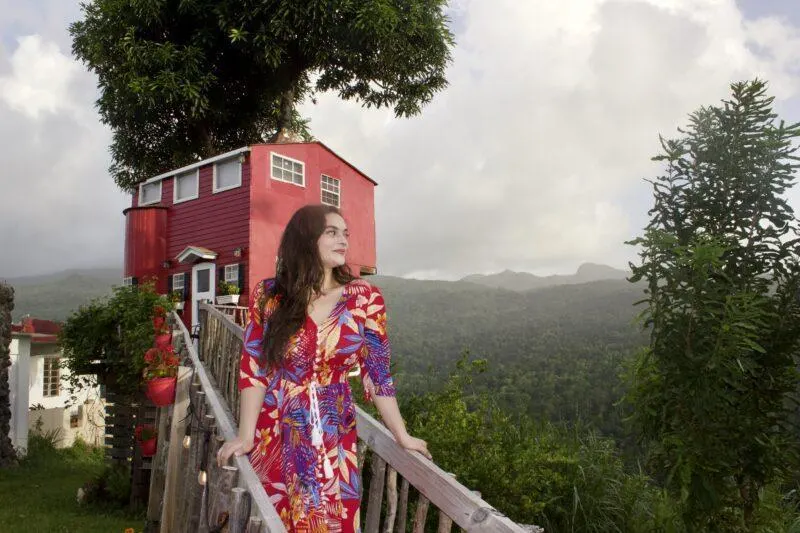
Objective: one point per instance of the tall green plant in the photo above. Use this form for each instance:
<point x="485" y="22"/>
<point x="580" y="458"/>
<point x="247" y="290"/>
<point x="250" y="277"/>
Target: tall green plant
<point x="109" y="338"/>
<point x="711" y="394"/>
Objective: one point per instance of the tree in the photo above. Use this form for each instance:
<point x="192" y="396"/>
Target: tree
<point x="8" y="455"/>
<point x="184" y="80"/>
<point x="711" y="394"/>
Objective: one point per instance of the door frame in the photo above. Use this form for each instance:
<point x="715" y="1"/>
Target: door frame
<point x="212" y="288"/>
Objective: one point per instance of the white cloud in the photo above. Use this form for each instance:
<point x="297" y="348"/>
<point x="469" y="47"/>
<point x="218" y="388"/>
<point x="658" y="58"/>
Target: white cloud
<point x="534" y="156"/>
<point x="532" y="159"/>
<point x="39" y="79"/>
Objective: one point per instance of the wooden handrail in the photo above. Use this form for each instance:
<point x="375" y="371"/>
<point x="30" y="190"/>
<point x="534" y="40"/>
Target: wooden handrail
<point x="227" y="427"/>
<point x="466" y="508"/>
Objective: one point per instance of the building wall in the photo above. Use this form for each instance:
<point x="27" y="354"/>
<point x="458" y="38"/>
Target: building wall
<point x="85" y="421"/>
<point x="273" y="202"/>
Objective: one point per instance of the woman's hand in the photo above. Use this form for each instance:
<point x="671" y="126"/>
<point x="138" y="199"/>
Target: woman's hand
<point x="237" y="447"/>
<point x="412" y="443"/>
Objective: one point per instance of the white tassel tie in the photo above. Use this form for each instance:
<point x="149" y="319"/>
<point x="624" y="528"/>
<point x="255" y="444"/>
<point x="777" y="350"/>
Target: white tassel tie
<point x="316" y="430"/>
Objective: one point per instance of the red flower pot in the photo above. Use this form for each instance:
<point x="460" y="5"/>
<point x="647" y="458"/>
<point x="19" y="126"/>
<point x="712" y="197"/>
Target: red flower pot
<point x="159" y="322"/>
<point x="149" y="447"/>
<point x="164" y="341"/>
<point x="161" y="391"/>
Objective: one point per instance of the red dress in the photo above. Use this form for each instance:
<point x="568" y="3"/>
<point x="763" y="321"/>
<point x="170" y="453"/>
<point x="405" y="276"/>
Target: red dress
<point x="305" y="453"/>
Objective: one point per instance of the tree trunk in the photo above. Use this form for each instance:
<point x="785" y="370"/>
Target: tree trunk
<point x="8" y="455"/>
<point x="284" y="131"/>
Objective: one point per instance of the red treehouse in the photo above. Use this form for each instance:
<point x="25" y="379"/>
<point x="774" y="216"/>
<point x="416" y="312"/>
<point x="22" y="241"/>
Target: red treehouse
<point x="218" y="222"/>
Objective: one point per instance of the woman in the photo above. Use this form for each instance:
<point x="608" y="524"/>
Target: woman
<point x="308" y="328"/>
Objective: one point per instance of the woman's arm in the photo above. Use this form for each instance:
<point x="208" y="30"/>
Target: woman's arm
<point x="390" y="413"/>
<point x="378" y="380"/>
<point x="253" y="381"/>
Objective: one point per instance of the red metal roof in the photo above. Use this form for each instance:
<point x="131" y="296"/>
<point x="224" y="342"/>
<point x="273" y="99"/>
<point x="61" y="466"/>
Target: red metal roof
<point x="40" y="330"/>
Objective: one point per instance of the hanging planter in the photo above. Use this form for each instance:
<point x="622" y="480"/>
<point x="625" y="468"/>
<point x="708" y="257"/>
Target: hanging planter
<point x="161" y="391"/>
<point x="160" y="374"/>
<point x="147" y="437"/>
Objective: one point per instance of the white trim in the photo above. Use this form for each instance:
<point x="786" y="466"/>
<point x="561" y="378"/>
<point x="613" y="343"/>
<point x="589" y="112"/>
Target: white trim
<point x="338" y="190"/>
<point x="196" y="194"/>
<point x="199" y="253"/>
<point x="214" y="188"/>
<point x="160" y="193"/>
<point x="302" y="165"/>
<point x="127" y="281"/>
<point x="199" y="164"/>
<point x="235" y="270"/>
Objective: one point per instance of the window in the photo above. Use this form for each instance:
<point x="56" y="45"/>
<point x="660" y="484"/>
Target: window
<point x="227" y="175"/>
<point x="177" y="282"/>
<point x="330" y="190"/>
<point x="150" y="193"/>
<point x="186" y="187"/>
<point x="288" y="170"/>
<point x="203" y="280"/>
<point x="127" y="282"/>
<point x="51" y="383"/>
<point x="232" y="274"/>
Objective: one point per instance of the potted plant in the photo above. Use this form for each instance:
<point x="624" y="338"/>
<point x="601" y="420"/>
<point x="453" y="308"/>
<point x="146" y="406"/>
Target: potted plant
<point x="160" y="374"/>
<point x="147" y="437"/>
<point x="227" y="293"/>
<point x="176" y="297"/>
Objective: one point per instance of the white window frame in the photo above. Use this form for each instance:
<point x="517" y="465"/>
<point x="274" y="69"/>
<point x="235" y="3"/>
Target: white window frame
<point x="175" y="179"/>
<point x="338" y="192"/>
<point x="127" y="282"/>
<point x="234" y="278"/>
<point x="273" y="155"/>
<point x="46" y="377"/>
<point x="141" y="192"/>
<point x="175" y="286"/>
<point x="216" y="189"/>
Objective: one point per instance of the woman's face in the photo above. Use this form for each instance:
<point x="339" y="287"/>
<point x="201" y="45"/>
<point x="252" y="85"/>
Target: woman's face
<point x="332" y="243"/>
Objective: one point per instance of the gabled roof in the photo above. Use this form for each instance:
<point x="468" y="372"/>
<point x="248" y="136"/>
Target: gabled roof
<point x="192" y="254"/>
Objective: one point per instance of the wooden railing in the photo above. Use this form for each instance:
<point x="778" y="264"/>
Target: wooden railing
<point x="188" y="492"/>
<point x="236" y="313"/>
<point x="217" y="366"/>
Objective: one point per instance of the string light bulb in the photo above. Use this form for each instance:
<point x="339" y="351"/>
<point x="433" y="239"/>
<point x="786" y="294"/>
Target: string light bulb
<point x="202" y="477"/>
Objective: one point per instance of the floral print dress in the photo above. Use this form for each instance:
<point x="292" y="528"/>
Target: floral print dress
<point x="305" y="439"/>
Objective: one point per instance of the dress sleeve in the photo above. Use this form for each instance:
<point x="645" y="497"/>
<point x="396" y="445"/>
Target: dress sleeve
<point x="375" y="357"/>
<point x="251" y="374"/>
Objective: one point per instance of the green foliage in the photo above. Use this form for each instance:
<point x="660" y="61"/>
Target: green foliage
<point x="110" y="488"/>
<point x="535" y="472"/>
<point x="110" y="337"/>
<point x="711" y="393"/>
<point x="184" y="80"/>
<point x="41" y="493"/>
<point x="224" y="288"/>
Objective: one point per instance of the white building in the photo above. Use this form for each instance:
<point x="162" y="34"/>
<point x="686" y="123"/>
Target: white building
<point x="40" y="394"/>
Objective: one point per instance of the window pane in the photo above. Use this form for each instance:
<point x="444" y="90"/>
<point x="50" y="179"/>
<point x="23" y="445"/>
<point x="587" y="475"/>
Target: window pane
<point x="151" y="193"/>
<point x="229" y="174"/>
<point x="203" y="277"/>
<point x="186" y="186"/>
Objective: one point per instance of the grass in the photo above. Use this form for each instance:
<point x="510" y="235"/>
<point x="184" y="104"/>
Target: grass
<point x="39" y="495"/>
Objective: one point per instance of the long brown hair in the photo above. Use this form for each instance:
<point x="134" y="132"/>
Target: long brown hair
<point x="299" y="273"/>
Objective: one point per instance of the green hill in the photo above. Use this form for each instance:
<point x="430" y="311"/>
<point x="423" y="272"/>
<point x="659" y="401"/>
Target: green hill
<point x="553" y="352"/>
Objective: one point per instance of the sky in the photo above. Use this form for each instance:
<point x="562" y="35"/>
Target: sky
<point x="533" y="159"/>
